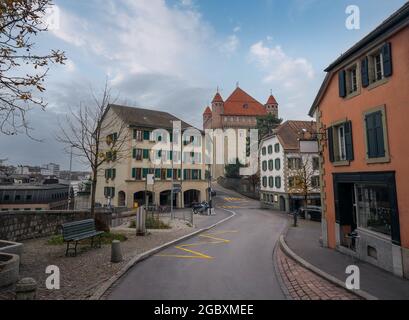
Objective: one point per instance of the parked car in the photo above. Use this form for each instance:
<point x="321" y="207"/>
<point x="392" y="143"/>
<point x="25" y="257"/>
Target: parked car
<point x="313" y="213"/>
<point x="213" y="192"/>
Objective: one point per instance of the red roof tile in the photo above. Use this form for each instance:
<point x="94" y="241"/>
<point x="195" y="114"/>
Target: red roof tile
<point x="217" y="98"/>
<point x="242" y="104"/>
<point x="272" y="100"/>
<point x="208" y="111"/>
<point x="290" y="132"/>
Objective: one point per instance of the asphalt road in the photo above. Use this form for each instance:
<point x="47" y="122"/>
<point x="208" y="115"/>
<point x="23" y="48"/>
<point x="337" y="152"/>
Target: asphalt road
<point x="231" y="261"/>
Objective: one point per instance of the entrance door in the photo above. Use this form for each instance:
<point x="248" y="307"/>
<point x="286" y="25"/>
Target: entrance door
<point x="347" y="211"/>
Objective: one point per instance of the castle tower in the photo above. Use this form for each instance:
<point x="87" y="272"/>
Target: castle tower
<point x="272" y="106"/>
<point x="217" y="110"/>
<point x="207" y="119"/>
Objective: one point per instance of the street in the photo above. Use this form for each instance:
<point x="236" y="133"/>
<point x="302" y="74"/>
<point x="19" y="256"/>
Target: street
<point x="232" y="261"/>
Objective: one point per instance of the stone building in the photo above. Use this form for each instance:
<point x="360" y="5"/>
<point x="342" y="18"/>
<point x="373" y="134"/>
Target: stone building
<point x="283" y="156"/>
<point x="122" y="181"/>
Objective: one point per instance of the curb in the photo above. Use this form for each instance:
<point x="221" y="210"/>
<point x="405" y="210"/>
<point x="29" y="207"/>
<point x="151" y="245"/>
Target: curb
<point x="360" y="293"/>
<point x="97" y="295"/>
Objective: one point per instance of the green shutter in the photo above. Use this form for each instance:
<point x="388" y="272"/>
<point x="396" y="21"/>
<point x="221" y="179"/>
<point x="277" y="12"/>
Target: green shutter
<point x="169" y="173"/>
<point x="134" y="153"/>
<point x="380" y="144"/>
<point x="145" y="153"/>
<point x="146" y="135"/>
<point x="387" y="59"/>
<point x="134" y="173"/>
<point x="371" y="136"/>
<point x="330" y="136"/>
<point x="342" y="84"/>
<point x="145" y="172"/>
<point x="113" y="174"/>
<point x="365" y="72"/>
<point x="348" y="141"/>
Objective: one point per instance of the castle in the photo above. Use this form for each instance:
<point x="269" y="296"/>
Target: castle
<point x="239" y="111"/>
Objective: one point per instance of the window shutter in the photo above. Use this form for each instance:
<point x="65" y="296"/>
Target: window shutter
<point x="349" y="147"/>
<point x="133" y="173"/>
<point x="342" y="84"/>
<point x="365" y="72"/>
<point x="387" y="59"/>
<point x="113" y="174"/>
<point x="371" y="136"/>
<point x="380" y="145"/>
<point x="134" y="153"/>
<point x="330" y="137"/>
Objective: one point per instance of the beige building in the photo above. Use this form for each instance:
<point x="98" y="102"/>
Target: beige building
<point x="122" y="181"/>
<point x="239" y="111"/>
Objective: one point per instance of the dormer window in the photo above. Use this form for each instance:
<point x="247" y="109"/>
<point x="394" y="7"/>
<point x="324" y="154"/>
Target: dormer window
<point x="245" y="106"/>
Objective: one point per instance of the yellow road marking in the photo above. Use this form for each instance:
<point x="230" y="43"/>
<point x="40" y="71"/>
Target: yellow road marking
<point x="196" y="254"/>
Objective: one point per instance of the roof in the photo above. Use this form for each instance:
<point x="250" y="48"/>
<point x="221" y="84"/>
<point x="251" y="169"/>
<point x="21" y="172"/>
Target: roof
<point x="396" y="21"/>
<point x="290" y="132"/>
<point x="147" y="118"/>
<point x="28" y="186"/>
<point x="241" y="103"/>
<point x="217" y="98"/>
<point x="272" y="100"/>
<point x="208" y="111"/>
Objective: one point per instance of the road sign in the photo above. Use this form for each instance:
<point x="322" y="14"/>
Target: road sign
<point x="177" y="188"/>
<point x="150" y="179"/>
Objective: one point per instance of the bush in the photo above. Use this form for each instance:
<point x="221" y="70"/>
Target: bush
<point x="106" y="238"/>
<point x="151" y="223"/>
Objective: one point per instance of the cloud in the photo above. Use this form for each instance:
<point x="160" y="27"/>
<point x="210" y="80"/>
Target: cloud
<point x="279" y="67"/>
<point x="236" y="29"/>
<point x="230" y="46"/>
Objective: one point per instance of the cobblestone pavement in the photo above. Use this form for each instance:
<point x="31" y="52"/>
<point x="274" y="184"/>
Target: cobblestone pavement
<point x="302" y="284"/>
<point x="82" y="275"/>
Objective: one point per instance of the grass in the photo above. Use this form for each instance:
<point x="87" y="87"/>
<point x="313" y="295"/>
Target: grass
<point x="152" y="223"/>
<point x="106" y="238"/>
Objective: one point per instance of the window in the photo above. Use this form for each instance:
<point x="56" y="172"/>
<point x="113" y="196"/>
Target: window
<point x="315" y="182"/>
<point x="29" y="197"/>
<point x="137" y="173"/>
<point x="6" y="197"/>
<point x="377" y="65"/>
<point x="137" y="154"/>
<point x="17" y="197"/>
<point x="271" y="182"/>
<point x="138" y="135"/>
<point x="270" y="149"/>
<point x="271" y="165"/>
<point x="264" y="151"/>
<point x="277" y="148"/>
<point x="340" y="145"/>
<point x="315" y="163"/>
<point x="146" y="135"/>
<point x="264" y="165"/>
<point x="374" y="208"/>
<point x="278" y="164"/>
<point x="146" y="154"/>
<point x="294" y="163"/>
<point x="109" y="192"/>
<point x="375" y="137"/>
<point x="278" y="182"/>
<point x="352" y="80"/>
<point x="110" y="174"/>
<point x="264" y="182"/>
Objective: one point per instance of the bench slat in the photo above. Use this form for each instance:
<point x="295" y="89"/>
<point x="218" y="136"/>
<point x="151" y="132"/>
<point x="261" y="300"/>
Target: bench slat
<point x="79" y="230"/>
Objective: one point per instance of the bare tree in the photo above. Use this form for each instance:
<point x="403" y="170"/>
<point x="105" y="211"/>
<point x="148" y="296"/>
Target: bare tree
<point x="303" y="172"/>
<point x="96" y="136"/>
<point x="22" y="72"/>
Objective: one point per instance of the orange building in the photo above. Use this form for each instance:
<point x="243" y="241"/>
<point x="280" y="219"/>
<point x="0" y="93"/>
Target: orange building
<point x="362" y="111"/>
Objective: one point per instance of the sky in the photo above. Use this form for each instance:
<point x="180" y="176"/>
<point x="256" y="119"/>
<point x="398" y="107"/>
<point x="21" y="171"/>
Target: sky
<point x="172" y="55"/>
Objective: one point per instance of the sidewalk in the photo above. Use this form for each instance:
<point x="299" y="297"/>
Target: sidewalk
<point x="304" y="241"/>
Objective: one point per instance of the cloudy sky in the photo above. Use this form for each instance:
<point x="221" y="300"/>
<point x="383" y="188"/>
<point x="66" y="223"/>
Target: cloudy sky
<point x="172" y="55"/>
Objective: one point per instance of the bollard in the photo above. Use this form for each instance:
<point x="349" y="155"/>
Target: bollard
<point x="26" y="289"/>
<point x="116" y="253"/>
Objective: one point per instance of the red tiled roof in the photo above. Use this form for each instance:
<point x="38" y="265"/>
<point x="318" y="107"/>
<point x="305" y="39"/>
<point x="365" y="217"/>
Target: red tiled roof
<point x="272" y="100"/>
<point x="217" y="98"/>
<point x="242" y="104"/>
<point x="290" y="131"/>
<point x="208" y="111"/>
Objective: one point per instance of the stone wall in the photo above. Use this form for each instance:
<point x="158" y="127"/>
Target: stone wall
<point x="242" y="186"/>
<point x="24" y="225"/>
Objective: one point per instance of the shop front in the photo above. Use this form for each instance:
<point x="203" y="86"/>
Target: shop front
<point x="367" y="218"/>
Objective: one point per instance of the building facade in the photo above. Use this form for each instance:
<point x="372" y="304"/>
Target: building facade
<point x="289" y="167"/>
<point x="239" y="111"/>
<point x="362" y="107"/>
<point x="33" y="197"/>
<point x="122" y="180"/>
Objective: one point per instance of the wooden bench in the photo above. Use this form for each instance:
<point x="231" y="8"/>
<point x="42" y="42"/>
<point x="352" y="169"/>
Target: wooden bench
<point x="80" y="230"/>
